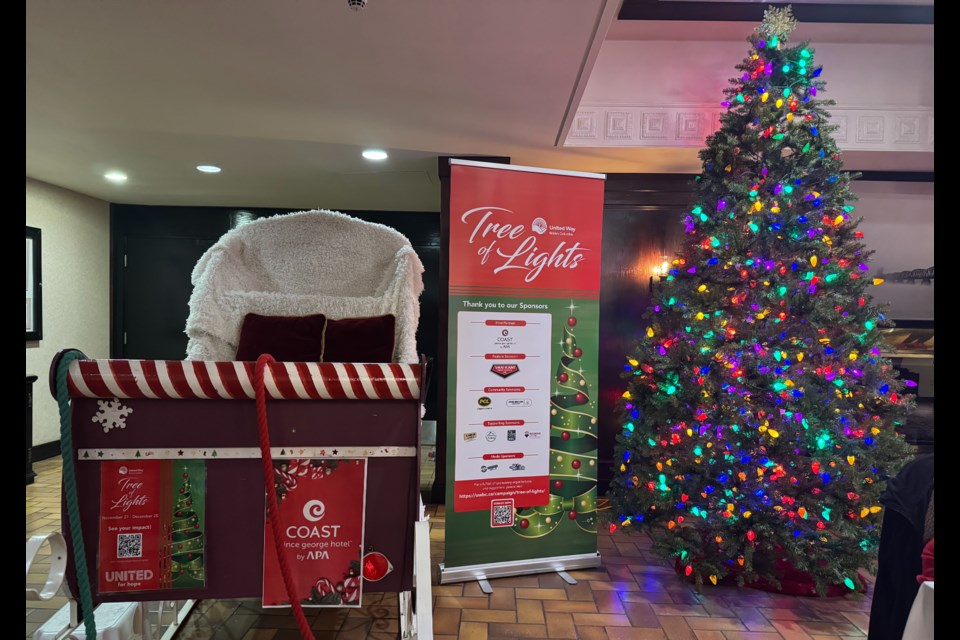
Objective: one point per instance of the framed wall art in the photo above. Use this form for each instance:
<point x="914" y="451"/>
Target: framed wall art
<point x="34" y="286"/>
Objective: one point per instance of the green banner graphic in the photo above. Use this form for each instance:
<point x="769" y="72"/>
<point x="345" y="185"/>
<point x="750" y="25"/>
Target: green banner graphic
<point x="567" y="523"/>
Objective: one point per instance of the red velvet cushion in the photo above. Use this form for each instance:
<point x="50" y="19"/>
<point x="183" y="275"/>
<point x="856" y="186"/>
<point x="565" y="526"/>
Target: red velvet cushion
<point x="926" y="559"/>
<point x="286" y="338"/>
<point x="359" y="339"/>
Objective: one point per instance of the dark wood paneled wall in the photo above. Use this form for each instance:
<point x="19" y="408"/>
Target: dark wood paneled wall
<point x="641" y="224"/>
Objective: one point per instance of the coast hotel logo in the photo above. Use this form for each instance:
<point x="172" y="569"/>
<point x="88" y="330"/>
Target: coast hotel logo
<point x="314" y="510"/>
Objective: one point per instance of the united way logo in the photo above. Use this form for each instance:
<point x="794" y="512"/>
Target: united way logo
<point x="539" y="226"/>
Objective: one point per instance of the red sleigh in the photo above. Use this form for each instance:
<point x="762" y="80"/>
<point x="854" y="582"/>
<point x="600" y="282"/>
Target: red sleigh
<point x="143" y="409"/>
<point x="234" y="414"/>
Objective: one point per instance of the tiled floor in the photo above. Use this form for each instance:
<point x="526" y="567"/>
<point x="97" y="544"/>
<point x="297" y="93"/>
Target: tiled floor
<point x="633" y="597"/>
<point x="43" y="516"/>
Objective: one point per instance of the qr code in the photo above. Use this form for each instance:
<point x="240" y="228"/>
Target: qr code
<point x="129" y="545"/>
<point x="501" y="513"/>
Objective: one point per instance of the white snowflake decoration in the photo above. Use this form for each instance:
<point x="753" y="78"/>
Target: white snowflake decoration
<point x="777" y="22"/>
<point x="112" y="414"/>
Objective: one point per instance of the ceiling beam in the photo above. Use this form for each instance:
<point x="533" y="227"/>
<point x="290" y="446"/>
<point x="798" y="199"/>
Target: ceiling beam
<point x="753" y="12"/>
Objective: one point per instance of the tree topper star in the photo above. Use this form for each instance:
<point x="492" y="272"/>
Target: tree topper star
<point x="777" y="21"/>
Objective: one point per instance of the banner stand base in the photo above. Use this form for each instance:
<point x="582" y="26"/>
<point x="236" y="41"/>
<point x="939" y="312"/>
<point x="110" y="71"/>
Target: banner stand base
<point x="484" y="572"/>
<point x="566" y="577"/>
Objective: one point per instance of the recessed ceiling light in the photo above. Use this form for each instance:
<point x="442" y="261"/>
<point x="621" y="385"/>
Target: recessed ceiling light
<point x="374" y="154"/>
<point x="115" y="176"/>
<point x="208" y="168"/>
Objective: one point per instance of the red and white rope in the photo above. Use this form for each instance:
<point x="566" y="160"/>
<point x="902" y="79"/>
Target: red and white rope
<point x="194" y="379"/>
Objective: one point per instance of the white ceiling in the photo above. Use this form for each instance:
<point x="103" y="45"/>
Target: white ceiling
<point x="284" y="95"/>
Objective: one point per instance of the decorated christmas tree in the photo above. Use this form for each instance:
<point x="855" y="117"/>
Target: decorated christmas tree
<point x="573" y="448"/>
<point x="187" y="537"/>
<point x="760" y="419"/>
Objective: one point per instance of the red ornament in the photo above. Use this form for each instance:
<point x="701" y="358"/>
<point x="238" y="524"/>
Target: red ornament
<point x="524" y="524"/>
<point x="375" y="566"/>
<point x="186" y="475"/>
<point x="563" y="377"/>
<point x="565" y="436"/>
<point x="815" y="467"/>
<point x="179" y="513"/>
<point x="580" y="398"/>
<point x="572" y="515"/>
<point x="577" y="352"/>
<point x="751" y="536"/>
<point x="558" y="484"/>
<point x="196" y="526"/>
<point x="572" y="321"/>
<point x="575" y="464"/>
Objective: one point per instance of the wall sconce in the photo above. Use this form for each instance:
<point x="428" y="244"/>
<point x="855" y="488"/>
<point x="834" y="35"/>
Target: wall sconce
<point x="660" y="271"/>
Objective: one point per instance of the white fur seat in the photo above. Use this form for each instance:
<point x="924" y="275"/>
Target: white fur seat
<point x="300" y="264"/>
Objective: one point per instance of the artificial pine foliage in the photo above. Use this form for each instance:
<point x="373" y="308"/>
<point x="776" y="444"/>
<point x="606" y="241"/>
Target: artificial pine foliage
<point x="760" y="419"/>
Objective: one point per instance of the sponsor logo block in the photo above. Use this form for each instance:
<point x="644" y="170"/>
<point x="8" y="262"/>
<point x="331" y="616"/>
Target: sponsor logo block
<point x="505" y="370"/>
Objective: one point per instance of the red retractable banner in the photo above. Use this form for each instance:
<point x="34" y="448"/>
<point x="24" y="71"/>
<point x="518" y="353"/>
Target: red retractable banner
<point x="524" y="288"/>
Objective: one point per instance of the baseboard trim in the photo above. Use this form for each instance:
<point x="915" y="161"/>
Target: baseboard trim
<point x="46" y="451"/>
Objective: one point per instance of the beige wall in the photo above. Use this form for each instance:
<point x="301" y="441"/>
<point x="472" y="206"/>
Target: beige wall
<point x="75" y="253"/>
